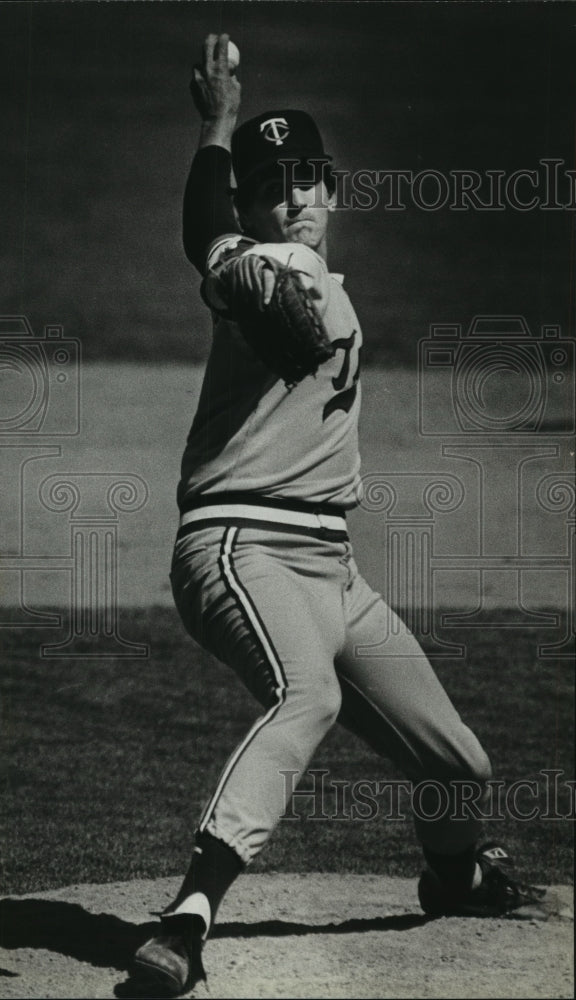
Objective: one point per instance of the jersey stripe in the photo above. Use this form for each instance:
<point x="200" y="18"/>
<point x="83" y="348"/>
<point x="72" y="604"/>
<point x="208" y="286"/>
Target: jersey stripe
<point x="261" y="500"/>
<point x="260" y="633"/>
<point x="322" y="534"/>
<point x="262" y="513"/>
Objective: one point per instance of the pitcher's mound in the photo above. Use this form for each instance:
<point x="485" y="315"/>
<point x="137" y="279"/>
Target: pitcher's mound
<point x="283" y="935"/>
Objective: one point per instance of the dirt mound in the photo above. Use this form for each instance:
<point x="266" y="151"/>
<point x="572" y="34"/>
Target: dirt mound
<point x="289" y="936"/>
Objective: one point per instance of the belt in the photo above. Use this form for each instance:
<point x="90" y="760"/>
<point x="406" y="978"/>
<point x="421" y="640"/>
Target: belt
<point x="310" y="522"/>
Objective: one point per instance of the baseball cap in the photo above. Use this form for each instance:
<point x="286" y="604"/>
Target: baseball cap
<point x="259" y="144"/>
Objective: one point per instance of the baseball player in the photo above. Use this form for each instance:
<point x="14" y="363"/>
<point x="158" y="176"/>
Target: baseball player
<point x="263" y="573"/>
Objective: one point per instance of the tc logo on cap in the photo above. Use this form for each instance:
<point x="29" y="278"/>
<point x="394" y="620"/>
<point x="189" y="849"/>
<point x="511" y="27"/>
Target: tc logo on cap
<point x="275" y="130"/>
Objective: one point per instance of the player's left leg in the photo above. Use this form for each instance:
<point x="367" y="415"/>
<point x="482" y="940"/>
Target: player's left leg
<point x="393" y="699"/>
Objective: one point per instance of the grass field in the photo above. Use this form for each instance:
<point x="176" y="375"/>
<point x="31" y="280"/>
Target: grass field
<point x="107" y="762"/>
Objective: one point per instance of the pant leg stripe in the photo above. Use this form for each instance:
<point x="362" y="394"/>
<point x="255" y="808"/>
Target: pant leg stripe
<point x="258" y="630"/>
<point x="251" y="612"/>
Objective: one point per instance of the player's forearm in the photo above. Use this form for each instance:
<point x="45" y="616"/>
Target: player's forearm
<point x="208" y="206"/>
<point x="217" y="132"/>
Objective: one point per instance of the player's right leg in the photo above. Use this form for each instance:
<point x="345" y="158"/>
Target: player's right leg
<point x="253" y="600"/>
<point x="268" y="604"/>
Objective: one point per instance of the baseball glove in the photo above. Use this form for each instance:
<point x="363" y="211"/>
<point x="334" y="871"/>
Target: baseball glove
<point x="275" y="313"/>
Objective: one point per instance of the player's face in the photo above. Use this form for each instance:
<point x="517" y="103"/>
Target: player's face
<point x="296" y="214"/>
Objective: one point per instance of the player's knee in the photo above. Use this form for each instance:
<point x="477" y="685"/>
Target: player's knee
<point x="472" y="764"/>
<point x="480" y="766"/>
<point x="460" y="757"/>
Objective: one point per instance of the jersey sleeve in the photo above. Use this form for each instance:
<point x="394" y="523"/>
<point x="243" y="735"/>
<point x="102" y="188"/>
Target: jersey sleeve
<point x="208" y="211"/>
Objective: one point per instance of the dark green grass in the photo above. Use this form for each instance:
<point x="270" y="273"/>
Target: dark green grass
<point x="108" y="762"/>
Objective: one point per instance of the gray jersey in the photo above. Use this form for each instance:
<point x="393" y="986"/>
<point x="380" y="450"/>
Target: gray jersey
<point x="251" y="434"/>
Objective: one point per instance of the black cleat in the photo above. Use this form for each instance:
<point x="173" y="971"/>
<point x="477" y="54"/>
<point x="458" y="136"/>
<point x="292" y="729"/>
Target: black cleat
<point x="172" y="961"/>
<point x="496" y="896"/>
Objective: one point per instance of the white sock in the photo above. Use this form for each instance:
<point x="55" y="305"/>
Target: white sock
<point x="195" y="905"/>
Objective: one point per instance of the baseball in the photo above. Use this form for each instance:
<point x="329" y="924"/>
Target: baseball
<point x="233" y="57"/>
